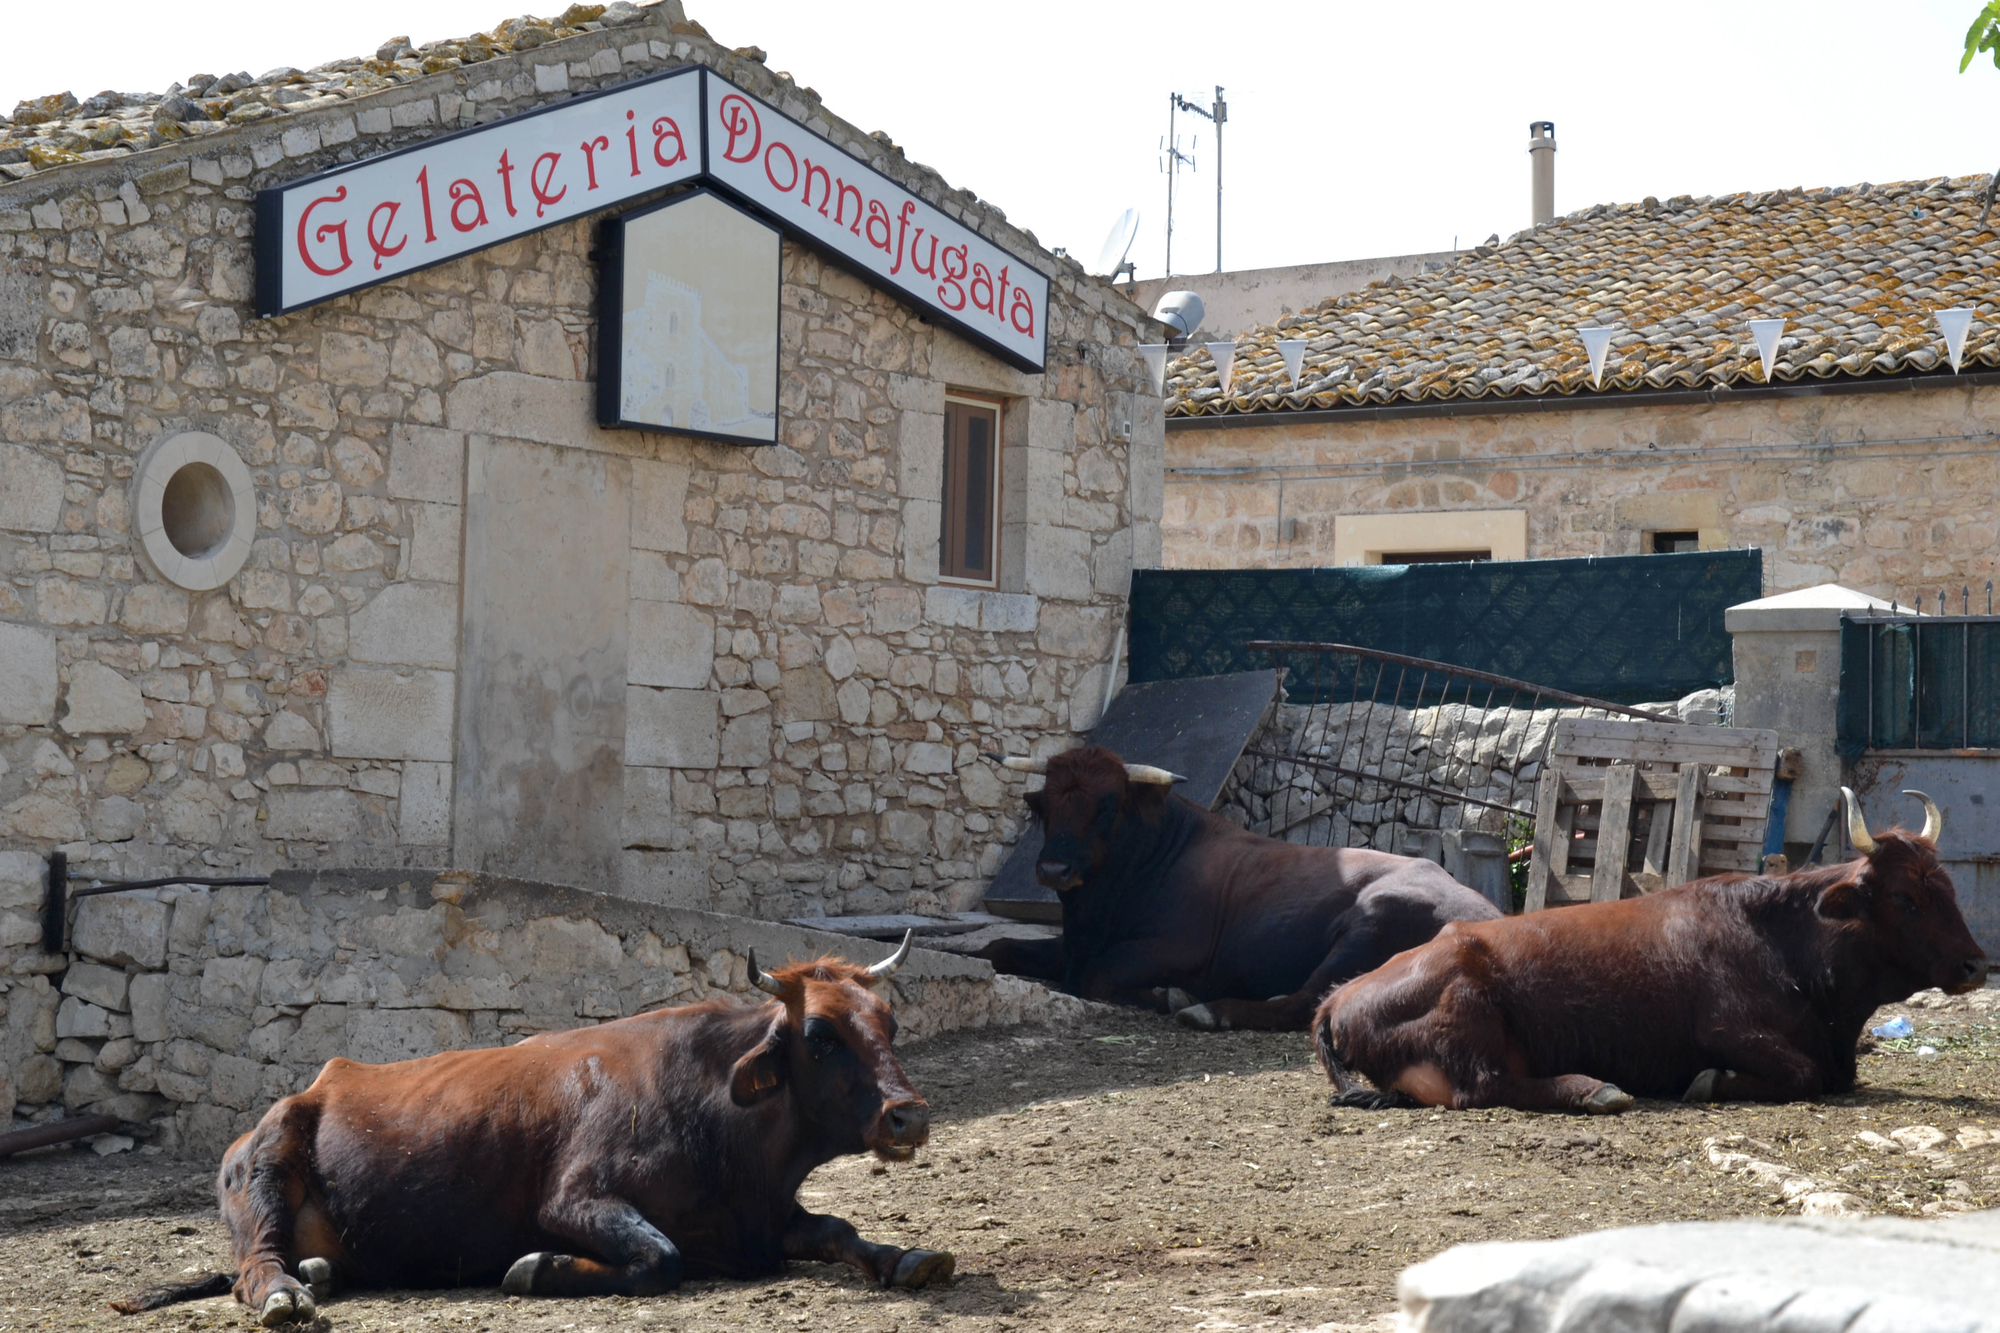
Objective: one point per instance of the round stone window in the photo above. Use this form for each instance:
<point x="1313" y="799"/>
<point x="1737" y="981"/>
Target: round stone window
<point x="194" y="509"/>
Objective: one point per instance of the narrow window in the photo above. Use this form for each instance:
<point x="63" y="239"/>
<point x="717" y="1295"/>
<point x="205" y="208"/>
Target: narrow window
<point x="1671" y="543"/>
<point x="971" y="489"/>
<point x="1433" y="557"/>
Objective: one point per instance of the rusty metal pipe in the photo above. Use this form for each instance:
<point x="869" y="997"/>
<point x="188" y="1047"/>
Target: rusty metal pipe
<point x="56" y="1131"/>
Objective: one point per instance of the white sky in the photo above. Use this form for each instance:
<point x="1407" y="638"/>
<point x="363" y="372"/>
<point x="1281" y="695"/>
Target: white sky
<point x="1355" y="129"/>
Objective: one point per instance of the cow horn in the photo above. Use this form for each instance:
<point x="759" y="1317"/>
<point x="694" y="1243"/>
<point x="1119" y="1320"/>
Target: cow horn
<point x="763" y="980"/>
<point x="1018" y="764"/>
<point x="887" y="967"/>
<point x="1933" y="817"/>
<point x="1147" y="773"/>
<point x="1857" y="831"/>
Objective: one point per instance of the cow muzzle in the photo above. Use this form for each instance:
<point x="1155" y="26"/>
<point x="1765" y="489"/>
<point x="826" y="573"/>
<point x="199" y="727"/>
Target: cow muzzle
<point x="1972" y="975"/>
<point x="1052" y="872"/>
<point x="900" y="1129"/>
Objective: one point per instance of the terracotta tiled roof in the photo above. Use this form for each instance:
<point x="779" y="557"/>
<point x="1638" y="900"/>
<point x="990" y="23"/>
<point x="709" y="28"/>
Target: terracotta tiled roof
<point x="1856" y="273"/>
<point x="57" y="129"/>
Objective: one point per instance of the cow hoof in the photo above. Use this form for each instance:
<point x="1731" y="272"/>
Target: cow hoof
<point x="285" y="1306"/>
<point x="923" y="1268"/>
<point x="1703" y="1087"/>
<point x="317" y="1274"/>
<point x="520" y="1279"/>
<point x="1609" y="1099"/>
<point x="1198" y="1016"/>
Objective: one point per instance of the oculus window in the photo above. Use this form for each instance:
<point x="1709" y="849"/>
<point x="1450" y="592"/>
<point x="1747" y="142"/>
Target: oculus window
<point x="970" y="531"/>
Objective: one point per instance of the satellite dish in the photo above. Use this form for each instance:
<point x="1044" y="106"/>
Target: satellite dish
<point x="1111" y="259"/>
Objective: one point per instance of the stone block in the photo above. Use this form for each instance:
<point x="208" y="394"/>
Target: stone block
<point x="121" y="928"/>
<point x="659" y="505"/>
<point x="81" y="1019"/>
<point x="390" y="715"/>
<point x="231" y="983"/>
<point x="928" y="757"/>
<point x="38" y="1079"/>
<point x="1058" y="563"/>
<point x="514" y="406"/>
<point x="21" y="879"/>
<point x="147" y="996"/>
<point x="407" y="624"/>
<point x="287" y="731"/>
<point x="806" y="694"/>
<point x="922" y="526"/>
<point x="426" y="464"/>
<point x="383" y="1036"/>
<point x="920" y="456"/>
<point x="746" y="741"/>
<point x="649" y="808"/>
<point x="31" y="490"/>
<point x="670" y="879"/>
<point x="28" y="676"/>
<point x="102" y="702"/>
<point x="669" y="645"/>
<point x="434" y="545"/>
<point x="1810" y="1273"/>
<point x="236" y="1082"/>
<point x="155" y="608"/>
<point x="672" y="728"/>
<point x="1074" y="631"/>
<point x="423" y="813"/>
<point x="99" y="985"/>
<point x="313" y="815"/>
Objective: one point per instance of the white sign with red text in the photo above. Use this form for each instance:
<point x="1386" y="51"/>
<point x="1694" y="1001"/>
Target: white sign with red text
<point x="840" y="203"/>
<point x="388" y="216"/>
<point x="391" y="215"/>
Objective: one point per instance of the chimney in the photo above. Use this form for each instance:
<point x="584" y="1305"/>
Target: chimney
<point x="1542" y="152"/>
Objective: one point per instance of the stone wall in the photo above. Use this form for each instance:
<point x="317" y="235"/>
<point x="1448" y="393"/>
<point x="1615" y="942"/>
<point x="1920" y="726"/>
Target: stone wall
<point x="191" y="1010"/>
<point x="474" y="629"/>
<point x="1887" y="493"/>
<point x="1489" y="755"/>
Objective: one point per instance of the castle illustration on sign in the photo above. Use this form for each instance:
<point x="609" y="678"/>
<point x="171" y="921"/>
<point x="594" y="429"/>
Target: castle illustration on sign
<point x="699" y="330"/>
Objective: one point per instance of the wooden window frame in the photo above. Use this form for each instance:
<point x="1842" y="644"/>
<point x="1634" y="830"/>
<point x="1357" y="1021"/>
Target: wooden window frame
<point x="952" y="495"/>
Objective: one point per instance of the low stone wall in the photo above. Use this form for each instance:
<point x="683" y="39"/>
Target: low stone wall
<point x="192" y="1010"/>
<point x="1492" y="756"/>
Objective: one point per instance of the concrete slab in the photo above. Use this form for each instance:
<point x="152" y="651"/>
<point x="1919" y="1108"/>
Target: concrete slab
<point x="1869" y="1276"/>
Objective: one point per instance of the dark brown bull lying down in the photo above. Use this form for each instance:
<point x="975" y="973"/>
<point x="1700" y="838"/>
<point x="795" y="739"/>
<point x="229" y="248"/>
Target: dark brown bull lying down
<point x="1734" y="988"/>
<point x="612" y="1160"/>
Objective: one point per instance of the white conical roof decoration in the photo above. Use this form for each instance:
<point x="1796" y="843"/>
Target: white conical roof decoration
<point x="1156" y="361"/>
<point x="1954" y="324"/>
<point x="1225" y="362"/>
<point x="1596" y="341"/>
<point x="1767" y="332"/>
<point x="1294" y="352"/>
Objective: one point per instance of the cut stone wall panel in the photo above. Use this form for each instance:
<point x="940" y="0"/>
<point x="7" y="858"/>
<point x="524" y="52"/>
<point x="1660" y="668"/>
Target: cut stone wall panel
<point x="381" y="714"/>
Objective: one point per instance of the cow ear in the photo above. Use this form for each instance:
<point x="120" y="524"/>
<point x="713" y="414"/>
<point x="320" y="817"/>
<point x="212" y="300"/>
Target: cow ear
<point x="1843" y="901"/>
<point x="758" y="1075"/>
<point x="1035" y="807"/>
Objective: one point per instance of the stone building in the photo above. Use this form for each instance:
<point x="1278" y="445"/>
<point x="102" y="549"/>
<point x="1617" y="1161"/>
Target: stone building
<point x="1456" y="414"/>
<point x="365" y="585"/>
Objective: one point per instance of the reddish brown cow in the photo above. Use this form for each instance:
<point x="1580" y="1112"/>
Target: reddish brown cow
<point x="1733" y="988"/>
<point x="612" y="1160"/>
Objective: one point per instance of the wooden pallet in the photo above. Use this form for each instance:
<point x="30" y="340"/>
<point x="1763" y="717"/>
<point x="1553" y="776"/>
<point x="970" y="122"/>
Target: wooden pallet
<point x="1678" y="801"/>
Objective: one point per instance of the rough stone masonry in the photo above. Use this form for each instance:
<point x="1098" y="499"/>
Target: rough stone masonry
<point x="476" y="631"/>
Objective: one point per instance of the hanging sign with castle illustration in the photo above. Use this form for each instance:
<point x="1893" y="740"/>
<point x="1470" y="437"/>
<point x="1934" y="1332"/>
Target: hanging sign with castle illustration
<point x="386" y="217"/>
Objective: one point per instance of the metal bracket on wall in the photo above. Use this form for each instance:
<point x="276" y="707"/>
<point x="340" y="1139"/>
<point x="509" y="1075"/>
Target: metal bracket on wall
<point x="57" y="894"/>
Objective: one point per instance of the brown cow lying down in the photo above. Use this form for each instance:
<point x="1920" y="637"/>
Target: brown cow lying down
<point x="612" y="1160"/>
<point x="1734" y="988"/>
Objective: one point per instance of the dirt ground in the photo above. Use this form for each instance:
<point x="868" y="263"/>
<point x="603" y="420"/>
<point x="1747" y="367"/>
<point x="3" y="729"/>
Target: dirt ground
<point x="1123" y="1173"/>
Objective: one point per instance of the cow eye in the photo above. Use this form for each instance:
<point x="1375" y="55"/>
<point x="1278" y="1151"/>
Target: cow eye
<point x="1905" y="901"/>
<point x="1107" y="808"/>
<point x="821" y="1039"/>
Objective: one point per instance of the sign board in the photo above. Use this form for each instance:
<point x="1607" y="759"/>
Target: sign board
<point x="389" y="216"/>
<point x="839" y="203"/>
<point x="688" y="334"/>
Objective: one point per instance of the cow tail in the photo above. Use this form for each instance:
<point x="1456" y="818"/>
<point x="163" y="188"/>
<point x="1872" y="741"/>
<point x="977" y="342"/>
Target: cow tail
<point x="1329" y="1058"/>
<point x="214" y="1284"/>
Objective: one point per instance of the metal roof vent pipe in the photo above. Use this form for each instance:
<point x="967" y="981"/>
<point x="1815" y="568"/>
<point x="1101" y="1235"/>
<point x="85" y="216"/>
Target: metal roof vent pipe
<point x="1542" y="156"/>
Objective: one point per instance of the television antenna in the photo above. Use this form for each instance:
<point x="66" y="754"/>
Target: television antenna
<point x="1172" y="159"/>
<point x="1111" y="260"/>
